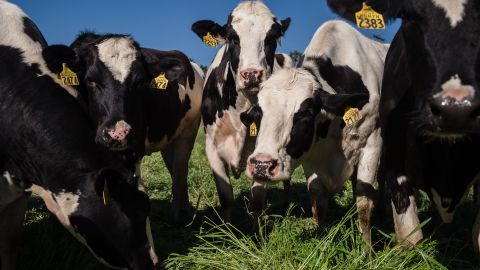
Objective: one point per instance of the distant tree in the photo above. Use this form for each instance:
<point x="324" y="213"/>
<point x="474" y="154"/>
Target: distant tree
<point x="204" y="68"/>
<point x="296" y="57"/>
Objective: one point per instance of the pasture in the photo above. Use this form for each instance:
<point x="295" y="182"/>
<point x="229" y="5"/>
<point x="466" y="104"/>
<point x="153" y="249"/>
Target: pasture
<point x="285" y="243"/>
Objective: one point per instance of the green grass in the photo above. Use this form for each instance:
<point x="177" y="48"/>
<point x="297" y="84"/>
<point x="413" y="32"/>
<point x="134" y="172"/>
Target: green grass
<point x="289" y="242"/>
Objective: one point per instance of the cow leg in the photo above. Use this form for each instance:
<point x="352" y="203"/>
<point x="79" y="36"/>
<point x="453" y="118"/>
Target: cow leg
<point x="257" y="202"/>
<point x="476" y="234"/>
<point x="366" y="178"/>
<point x="11" y="220"/>
<point x="176" y="157"/>
<point x="404" y="210"/>
<point x="318" y="198"/>
<point x="222" y="179"/>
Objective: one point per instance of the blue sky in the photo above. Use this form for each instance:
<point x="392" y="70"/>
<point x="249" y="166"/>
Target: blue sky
<point x="165" y="25"/>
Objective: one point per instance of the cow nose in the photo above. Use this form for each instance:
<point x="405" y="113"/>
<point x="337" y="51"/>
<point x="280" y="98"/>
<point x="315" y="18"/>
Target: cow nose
<point x="455" y="105"/>
<point x="263" y="167"/>
<point x="251" y="76"/>
<point x="119" y="132"/>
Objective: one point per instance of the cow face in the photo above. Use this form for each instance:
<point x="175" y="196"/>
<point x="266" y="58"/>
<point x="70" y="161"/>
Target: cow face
<point x="251" y="35"/>
<point x="112" y="226"/>
<point x="111" y="74"/>
<point x="435" y="57"/>
<point x="288" y="105"/>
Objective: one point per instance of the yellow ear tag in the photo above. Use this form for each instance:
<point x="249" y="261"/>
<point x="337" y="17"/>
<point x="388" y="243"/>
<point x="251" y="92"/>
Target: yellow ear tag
<point x="210" y="40"/>
<point x="367" y="18"/>
<point x="351" y="116"/>
<point x="160" y="82"/>
<point x="67" y="76"/>
<point x="253" y="130"/>
<point x="105" y="193"/>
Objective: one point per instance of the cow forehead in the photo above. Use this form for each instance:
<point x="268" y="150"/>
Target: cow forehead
<point x="454" y="9"/>
<point x="286" y="89"/>
<point x="250" y="18"/>
<point x="118" y="54"/>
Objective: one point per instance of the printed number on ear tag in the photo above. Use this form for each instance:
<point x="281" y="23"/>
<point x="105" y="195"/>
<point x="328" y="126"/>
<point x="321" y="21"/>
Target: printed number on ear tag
<point x="67" y="76"/>
<point x="210" y="40"/>
<point x="253" y="130"/>
<point x="351" y="116"/>
<point x="367" y="18"/>
<point x="105" y="193"/>
<point x="160" y="82"/>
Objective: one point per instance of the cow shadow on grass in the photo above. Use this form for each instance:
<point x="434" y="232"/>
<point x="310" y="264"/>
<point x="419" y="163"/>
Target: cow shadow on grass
<point x="170" y="238"/>
<point x="47" y="245"/>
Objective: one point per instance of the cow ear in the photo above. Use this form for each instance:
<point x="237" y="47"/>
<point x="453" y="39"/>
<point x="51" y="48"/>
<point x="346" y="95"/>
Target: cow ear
<point x="57" y="55"/>
<point x="172" y="68"/>
<point x="347" y="8"/>
<point x="204" y="27"/>
<point x="285" y="24"/>
<point x="338" y="103"/>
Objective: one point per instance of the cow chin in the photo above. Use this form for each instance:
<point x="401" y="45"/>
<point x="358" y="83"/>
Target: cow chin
<point x="269" y="179"/>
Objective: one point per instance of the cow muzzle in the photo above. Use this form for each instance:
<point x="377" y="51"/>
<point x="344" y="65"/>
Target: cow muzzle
<point x="115" y="137"/>
<point x="455" y="111"/>
<point x="251" y="77"/>
<point x="263" y="168"/>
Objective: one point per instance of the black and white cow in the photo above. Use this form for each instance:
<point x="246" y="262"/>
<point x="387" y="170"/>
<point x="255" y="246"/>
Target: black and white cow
<point x="246" y="59"/>
<point x="299" y="115"/>
<point x="430" y="106"/>
<point x="131" y="115"/>
<point x="47" y="147"/>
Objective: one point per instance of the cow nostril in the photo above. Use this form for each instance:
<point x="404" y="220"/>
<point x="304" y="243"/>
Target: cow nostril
<point x="273" y="166"/>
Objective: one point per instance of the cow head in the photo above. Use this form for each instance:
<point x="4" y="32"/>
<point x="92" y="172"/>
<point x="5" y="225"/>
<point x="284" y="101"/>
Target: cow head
<point x="288" y="108"/>
<point x="433" y="62"/>
<point x="111" y="74"/>
<point x="106" y="212"/>
<point x="250" y="36"/>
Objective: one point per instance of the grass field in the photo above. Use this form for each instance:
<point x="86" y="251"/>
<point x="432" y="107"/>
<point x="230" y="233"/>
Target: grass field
<point x="289" y="242"/>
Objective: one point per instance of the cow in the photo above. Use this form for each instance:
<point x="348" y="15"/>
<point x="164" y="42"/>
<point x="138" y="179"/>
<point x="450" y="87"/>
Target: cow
<point x="131" y="112"/>
<point x="299" y="116"/>
<point x="245" y="60"/>
<point x="47" y="147"/>
<point x="429" y="107"/>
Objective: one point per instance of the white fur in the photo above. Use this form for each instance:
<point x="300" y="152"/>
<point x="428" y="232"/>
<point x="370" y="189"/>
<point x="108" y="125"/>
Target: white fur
<point x="118" y="55"/>
<point x="438" y="199"/>
<point x="406" y="223"/>
<point x="454" y="9"/>
<point x="252" y="21"/>
<point x="455" y="84"/>
<point x="12" y="34"/>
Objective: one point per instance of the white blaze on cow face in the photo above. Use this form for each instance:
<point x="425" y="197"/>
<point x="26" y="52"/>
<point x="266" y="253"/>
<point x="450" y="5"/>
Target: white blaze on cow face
<point x="454" y="10"/>
<point x="455" y="89"/>
<point x="118" y="54"/>
<point x="280" y="98"/>
<point x="251" y="22"/>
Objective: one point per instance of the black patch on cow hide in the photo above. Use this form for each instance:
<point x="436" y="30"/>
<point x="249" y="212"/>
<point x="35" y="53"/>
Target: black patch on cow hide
<point x="342" y="79"/>
<point x="303" y="129"/>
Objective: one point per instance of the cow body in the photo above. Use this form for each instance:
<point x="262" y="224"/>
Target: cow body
<point x="231" y="85"/>
<point x="47" y="147"/>
<point x="429" y="107"/>
<point x="299" y="114"/>
<point x="132" y="114"/>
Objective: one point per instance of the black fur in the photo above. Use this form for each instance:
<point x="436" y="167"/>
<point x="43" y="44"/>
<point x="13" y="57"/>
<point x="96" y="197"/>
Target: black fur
<point x="53" y="147"/>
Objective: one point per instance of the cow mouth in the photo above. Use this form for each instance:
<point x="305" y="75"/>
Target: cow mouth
<point x="115" y="145"/>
